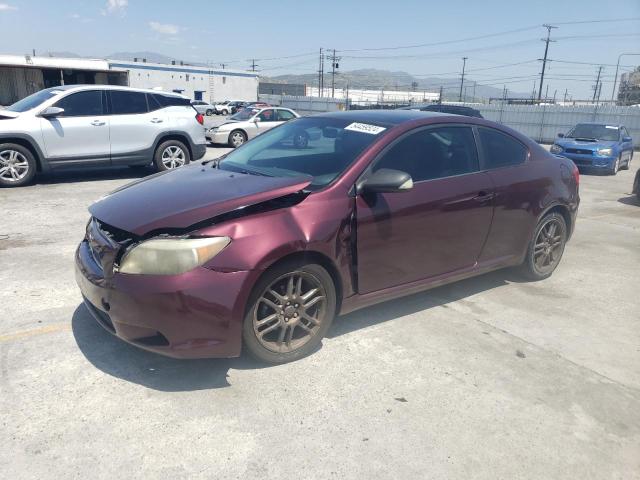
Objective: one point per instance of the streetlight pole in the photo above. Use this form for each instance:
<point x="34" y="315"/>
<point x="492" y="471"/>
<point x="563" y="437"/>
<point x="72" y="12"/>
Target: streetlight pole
<point x="615" y="80"/>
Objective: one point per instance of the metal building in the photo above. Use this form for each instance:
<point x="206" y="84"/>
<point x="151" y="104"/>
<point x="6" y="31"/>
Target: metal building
<point x="23" y="75"/>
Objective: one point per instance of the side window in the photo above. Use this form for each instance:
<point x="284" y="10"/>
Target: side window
<point x="267" y="116"/>
<point x="285" y="115"/>
<point x="625" y="133"/>
<point x="127" y="103"/>
<point x="153" y="102"/>
<point x="501" y="150"/>
<point x="433" y="153"/>
<point x="82" y="104"/>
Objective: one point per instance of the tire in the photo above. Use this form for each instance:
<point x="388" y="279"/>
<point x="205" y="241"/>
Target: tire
<point x="301" y="139"/>
<point x="225" y="112"/>
<point x="627" y="165"/>
<point x="533" y="267"/>
<point x="17" y="165"/>
<point x="209" y="112"/>
<point x="616" y="166"/>
<point x="290" y="334"/>
<point x="237" y="138"/>
<point x="170" y="155"/>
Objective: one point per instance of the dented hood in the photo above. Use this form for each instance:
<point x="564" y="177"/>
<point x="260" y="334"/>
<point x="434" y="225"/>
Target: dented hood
<point x="187" y="196"/>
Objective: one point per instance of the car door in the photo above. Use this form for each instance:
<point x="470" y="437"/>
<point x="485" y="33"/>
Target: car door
<point x="521" y="187"/>
<point x="267" y="120"/>
<point x="627" y="145"/>
<point x="81" y="133"/>
<point x="134" y="128"/>
<point x="437" y="227"/>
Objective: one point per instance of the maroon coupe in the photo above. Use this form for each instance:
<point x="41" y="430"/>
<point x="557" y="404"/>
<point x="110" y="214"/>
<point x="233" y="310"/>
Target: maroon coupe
<point x="320" y="216"/>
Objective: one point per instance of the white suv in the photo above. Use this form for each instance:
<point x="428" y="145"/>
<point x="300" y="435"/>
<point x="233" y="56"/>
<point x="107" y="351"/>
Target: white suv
<point x="97" y="125"/>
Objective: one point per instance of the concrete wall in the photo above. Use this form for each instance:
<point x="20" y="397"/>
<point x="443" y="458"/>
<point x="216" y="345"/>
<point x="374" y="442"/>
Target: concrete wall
<point x="216" y="85"/>
<point x="304" y="105"/>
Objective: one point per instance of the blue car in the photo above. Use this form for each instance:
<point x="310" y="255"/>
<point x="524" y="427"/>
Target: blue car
<point x="597" y="146"/>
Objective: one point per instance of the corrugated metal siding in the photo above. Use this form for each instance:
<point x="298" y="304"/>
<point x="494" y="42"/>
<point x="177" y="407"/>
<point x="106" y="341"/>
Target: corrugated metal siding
<point x="544" y="122"/>
<point x="17" y="83"/>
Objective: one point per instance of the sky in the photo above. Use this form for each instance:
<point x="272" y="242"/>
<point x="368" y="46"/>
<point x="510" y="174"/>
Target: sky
<point x="365" y="33"/>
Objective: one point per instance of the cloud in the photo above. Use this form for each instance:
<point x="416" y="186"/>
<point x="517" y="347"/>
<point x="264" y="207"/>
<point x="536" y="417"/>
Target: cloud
<point x="80" y="18"/>
<point x="165" y="28"/>
<point x="5" y="7"/>
<point x="115" y="6"/>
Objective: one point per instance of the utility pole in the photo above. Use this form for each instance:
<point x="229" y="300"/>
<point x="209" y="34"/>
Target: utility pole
<point x="566" y="92"/>
<point x="597" y="85"/>
<point x="546" y="94"/>
<point x="554" y="95"/>
<point x="544" y="60"/>
<point x="334" y="67"/>
<point x="253" y="65"/>
<point x="473" y="100"/>
<point x="320" y="62"/>
<point x="464" y="63"/>
<point x="440" y="97"/>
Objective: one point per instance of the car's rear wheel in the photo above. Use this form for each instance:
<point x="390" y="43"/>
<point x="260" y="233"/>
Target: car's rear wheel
<point x="237" y="138"/>
<point x="170" y="155"/>
<point x="225" y="112"/>
<point x="627" y="164"/>
<point x="546" y="247"/>
<point x="17" y="165"/>
<point x="209" y="112"/>
<point x="290" y="310"/>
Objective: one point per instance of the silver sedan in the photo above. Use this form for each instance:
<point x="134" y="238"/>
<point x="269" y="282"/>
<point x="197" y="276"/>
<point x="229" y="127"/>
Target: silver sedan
<point x="249" y="123"/>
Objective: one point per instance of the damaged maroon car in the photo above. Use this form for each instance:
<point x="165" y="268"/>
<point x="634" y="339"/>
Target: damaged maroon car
<point x="320" y="216"/>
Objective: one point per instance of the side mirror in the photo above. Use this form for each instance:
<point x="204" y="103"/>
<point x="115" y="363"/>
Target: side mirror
<point x="387" y="180"/>
<point x="561" y="135"/>
<point x="51" y="112"/>
<point x="626" y="139"/>
<point x="257" y="119"/>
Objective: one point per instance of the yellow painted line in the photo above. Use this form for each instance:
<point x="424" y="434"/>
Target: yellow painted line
<point x="58" y="327"/>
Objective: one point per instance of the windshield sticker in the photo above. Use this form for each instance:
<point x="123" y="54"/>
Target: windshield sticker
<point x="612" y="128"/>
<point x="365" y="128"/>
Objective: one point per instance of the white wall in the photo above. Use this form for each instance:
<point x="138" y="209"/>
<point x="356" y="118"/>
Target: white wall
<point x="363" y="97"/>
<point x="217" y="85"/>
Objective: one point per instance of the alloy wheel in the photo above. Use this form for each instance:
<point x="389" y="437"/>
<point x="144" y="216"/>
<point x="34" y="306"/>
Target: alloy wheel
<point x="173" y="157"/>
<point x="548" y="246"/>
<point x="289" y="312"/>
<point x="13" y="166"/>
<point x="237" y="138"/>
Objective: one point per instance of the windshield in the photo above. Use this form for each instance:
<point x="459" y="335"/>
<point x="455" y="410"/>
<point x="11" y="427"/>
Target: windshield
<point x="594" y="132"/>
<point x="34" y="100"/>
<point x="245" y="114"/>
<point x="319" y="147"/>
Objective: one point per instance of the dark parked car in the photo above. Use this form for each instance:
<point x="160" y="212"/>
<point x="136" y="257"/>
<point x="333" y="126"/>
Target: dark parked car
<point x="443" y="108"/>
<point x="269" y="246"/>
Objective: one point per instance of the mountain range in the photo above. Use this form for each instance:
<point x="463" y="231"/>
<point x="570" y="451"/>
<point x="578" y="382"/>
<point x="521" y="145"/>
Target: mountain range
<point x="369" y="78"/>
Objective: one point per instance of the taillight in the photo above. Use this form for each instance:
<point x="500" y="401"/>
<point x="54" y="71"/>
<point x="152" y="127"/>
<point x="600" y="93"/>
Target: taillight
<point x="200" y="118"/>
<point x="576" y="174"/>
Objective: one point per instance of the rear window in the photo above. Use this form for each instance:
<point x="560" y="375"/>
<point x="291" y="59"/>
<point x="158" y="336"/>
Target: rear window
<point x="500" y="149"/>
<point x="128" y="103"/>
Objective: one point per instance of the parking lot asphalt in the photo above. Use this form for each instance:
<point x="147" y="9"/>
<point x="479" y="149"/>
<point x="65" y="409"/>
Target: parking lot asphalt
<point x="487" y="378"/>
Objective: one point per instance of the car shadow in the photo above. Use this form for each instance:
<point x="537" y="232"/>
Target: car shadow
<point x="93" y="174"/>
<point x="632" y="199"/>
<point x="132" y="364"/>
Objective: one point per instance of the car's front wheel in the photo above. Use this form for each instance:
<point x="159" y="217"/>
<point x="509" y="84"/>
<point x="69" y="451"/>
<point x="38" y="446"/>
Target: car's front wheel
<point x="289" y="312"/>
<point x="546" y="247"/>
<point x="209" y="112"/>
<point x="17" y="165"/>
<point x="225" y="112"/>
<point x="616" y="166"/>
<point x="237" y="138"/>
<point x="170" y="155"/>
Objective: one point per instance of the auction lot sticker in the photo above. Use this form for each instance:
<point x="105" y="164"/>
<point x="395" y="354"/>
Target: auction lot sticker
<point x="365" y="128"/>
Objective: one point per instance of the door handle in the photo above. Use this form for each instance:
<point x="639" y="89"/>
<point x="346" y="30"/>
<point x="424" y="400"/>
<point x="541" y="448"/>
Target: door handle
<point x="483" y="196"/>
<point x="156" y="120"/>
<point x="98" y="123"/>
